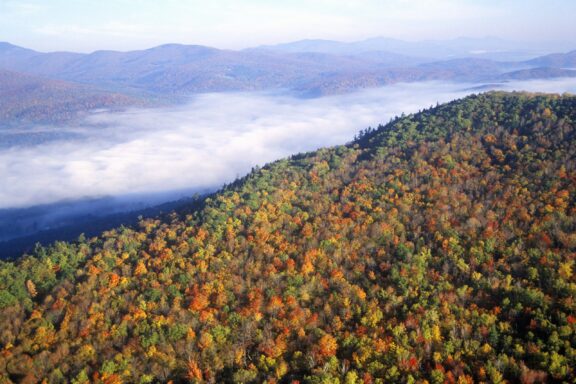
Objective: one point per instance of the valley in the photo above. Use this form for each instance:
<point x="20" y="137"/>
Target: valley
<point x="438" y="247"/>
<point x="304" y="192"/>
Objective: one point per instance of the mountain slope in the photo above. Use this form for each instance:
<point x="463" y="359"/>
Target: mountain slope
<point x="556" y="60"/>
<point x="487" y="48"/>
<point x="439" y="247"/>
<point x="28" y="100"/>
<point x="175" y="69"/>
<point x="538" y="73"/>
<point x="17" y="59"/>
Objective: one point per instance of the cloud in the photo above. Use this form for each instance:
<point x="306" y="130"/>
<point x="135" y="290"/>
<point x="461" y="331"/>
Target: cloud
<point x="209" y="141"/>
<point x="560" y="85"/>
<point x="111" y="29"/>
<point x="20" y="8"/>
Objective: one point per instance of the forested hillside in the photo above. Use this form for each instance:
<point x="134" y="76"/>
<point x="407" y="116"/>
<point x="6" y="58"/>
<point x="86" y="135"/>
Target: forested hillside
<point x="439" y="248"/>
<point x="27" y="101"/>
<point x="308" y="68"/>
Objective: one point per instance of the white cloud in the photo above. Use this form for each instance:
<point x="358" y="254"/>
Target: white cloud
<point x="22" y="8"/>
<point x="116" y="30"/>
<point x="207" y="142"/>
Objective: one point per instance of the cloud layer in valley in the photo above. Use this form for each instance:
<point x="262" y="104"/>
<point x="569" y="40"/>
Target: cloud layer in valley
<point x="209" y="141"/>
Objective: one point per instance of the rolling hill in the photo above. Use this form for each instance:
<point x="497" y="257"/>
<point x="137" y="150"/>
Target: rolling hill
<point x="437" y="248"/>
<point x="556" y="60"/>
<point x="181" y="69"/>
<point x="28" y="100"/>
<point x="309" y="68"/>
<point x="539" y="73"/>
<point x="434" y="50"/>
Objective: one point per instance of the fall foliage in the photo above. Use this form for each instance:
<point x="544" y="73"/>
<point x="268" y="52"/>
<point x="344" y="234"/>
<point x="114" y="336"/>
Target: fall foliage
<point x="439" y="248"/>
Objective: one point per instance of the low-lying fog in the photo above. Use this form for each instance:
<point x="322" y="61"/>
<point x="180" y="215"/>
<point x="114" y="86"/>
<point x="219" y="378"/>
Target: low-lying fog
<point x="209" y="141"/>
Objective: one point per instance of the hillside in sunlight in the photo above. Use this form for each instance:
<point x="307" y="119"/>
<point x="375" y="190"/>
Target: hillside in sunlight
<point x="438" y="248"/>
<point x="28" y="101"/>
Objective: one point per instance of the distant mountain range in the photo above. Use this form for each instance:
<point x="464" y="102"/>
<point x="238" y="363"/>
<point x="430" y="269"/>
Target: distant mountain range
<point x="438" y="248"/>
<point x="556" y="60"/>
<point x="487" y="48"/>
<point x="66" y="84"/>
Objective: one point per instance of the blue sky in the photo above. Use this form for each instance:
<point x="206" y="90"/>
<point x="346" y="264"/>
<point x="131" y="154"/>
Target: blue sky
<point x="87" y="25"/>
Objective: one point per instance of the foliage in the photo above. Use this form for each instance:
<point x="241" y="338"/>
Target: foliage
<point x="439" y="248"/>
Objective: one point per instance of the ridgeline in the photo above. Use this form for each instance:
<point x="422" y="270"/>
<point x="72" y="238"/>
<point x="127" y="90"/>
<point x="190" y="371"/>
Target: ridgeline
<point x="438" y="248"/>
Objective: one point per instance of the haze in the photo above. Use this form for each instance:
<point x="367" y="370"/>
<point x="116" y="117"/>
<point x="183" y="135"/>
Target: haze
<point x="87" y="25"/>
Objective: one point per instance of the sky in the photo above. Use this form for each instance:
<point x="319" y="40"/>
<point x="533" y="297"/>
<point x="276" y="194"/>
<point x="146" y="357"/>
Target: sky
<point x="88" y="25"/>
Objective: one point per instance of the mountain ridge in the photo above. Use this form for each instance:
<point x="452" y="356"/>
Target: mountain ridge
<point x="176" y="69"/>
<point x="437" y="247"/>
<point x="28" y="100"/>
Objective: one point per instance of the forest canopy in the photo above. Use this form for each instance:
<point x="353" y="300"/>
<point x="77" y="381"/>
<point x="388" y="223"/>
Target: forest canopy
<point x="438" y="248"/>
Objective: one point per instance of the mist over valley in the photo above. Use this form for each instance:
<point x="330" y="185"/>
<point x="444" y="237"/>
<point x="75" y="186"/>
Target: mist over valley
<point x="319" y="191"/>
<point x="110" y="162"/>
<point x="84" y="136"/>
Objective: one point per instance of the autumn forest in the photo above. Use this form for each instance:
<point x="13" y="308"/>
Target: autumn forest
<point x="438" y="248"/>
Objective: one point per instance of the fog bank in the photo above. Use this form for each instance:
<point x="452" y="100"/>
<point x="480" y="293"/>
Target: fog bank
<point x="209" y="141"/>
